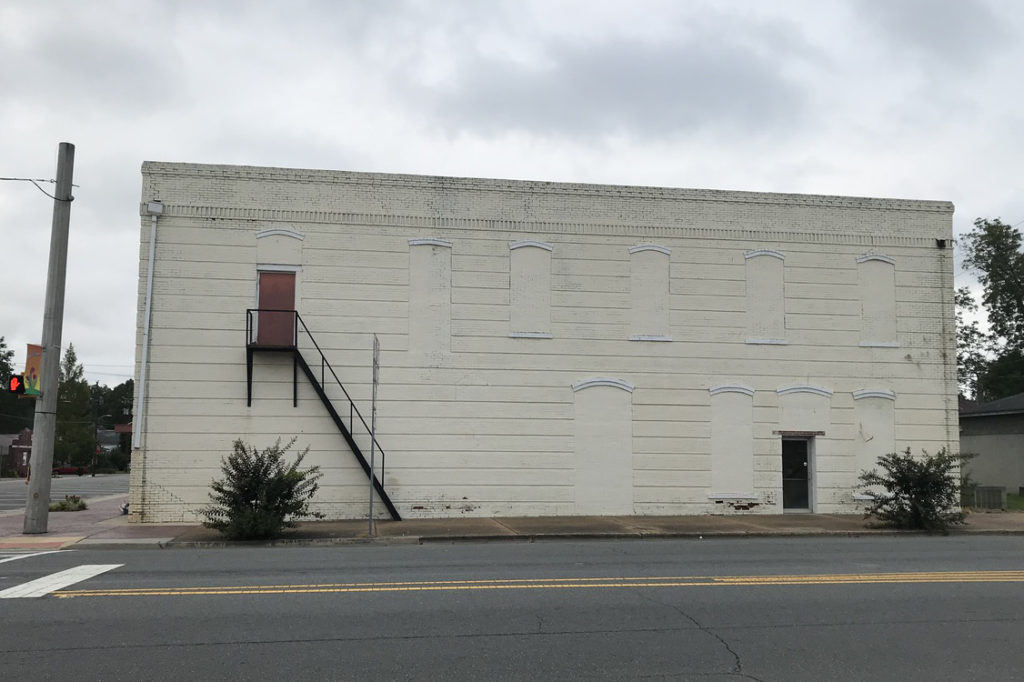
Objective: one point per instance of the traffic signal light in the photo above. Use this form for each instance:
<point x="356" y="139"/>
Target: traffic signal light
<point x="16" y="384"/>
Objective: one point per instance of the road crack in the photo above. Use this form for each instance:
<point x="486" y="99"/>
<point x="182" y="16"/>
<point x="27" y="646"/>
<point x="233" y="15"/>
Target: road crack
<point x="737" y="668"/>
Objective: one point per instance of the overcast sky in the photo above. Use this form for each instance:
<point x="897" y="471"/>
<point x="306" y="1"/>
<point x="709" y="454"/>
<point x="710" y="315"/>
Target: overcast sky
<point x="916" y="99"/>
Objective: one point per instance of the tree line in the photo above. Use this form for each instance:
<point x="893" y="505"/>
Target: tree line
<point x="81" y="410"/>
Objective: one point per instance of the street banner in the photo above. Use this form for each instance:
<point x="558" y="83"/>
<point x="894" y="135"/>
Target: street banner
<point x="33" y="370"/>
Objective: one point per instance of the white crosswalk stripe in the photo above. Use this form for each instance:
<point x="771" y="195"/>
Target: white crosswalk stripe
<point x="15" y="554"/>
<point x="44" y="586"/>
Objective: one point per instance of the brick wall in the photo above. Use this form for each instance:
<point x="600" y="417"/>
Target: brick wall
<point x="486" y="425"/>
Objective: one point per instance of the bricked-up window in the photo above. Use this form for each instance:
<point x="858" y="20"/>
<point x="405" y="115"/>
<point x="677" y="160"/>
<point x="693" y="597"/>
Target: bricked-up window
<point x="603" y="446"/>
<point x="530" y="289"/>
<point x="649" y="291"/>
<point x="804" y="408"/>
<point x="732" y="442"/>
<point x="766" y="299"/>
<point x="430" y="296"/>
<point x="279" y="245"/>
<point x="876" y="275"/>
<point x="875" y="420"/>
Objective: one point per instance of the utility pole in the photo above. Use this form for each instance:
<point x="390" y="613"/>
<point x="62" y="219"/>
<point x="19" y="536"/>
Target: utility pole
<point x="37" y="507"/>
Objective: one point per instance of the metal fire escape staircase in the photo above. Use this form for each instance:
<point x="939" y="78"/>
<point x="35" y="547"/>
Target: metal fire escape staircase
<point x="282" y="344"/>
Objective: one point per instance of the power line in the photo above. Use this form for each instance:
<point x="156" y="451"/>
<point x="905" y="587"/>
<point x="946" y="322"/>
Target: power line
<point x="36" y="182"/>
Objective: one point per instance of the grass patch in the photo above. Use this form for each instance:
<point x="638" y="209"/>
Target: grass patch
<point x="1015" y="502"/>
<point x="69" y="503"/>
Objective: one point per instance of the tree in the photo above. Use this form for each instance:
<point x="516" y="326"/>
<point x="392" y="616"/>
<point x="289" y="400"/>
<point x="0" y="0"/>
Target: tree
<point x="112" y="406"/>
<point x="121" y="397"/>
<point x="100" y="396"/>
<point x="6" y="359"/>
<point x="75" y="441"/>
<point x="916" y="493"/>
<point x="992" y="250"/>
<point x="15" y="413"/>
<point x="1002" y="376"/>
<point x="260" y="493"/>
<point x="971" y="343"/>
<point x="119" y="406"/>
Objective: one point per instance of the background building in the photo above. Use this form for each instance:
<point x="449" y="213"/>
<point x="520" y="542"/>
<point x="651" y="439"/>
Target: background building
<point x="546" y="348"/>
<point x="994" y="433"/>
<point x="15" y="451"/>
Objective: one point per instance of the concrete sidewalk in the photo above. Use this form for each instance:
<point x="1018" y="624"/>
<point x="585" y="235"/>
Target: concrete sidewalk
<point x="103" y="526"/>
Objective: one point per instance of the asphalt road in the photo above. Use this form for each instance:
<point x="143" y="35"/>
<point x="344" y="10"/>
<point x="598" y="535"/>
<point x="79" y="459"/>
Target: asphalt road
<point x="13" y="491"/>
<point x="891" y="608"/>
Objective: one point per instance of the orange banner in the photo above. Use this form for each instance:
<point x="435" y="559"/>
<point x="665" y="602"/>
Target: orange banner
<point x="33" y="369"/>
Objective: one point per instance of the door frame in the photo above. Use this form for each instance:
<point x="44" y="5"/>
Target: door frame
<point x="811" y="472"/>
<point x="269" y="267"/>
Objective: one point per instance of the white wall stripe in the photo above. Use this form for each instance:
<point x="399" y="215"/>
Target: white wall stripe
<point x="46" y="585"/>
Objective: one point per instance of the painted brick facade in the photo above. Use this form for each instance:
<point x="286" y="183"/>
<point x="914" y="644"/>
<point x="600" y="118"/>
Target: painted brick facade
<point x="479" y="417"/>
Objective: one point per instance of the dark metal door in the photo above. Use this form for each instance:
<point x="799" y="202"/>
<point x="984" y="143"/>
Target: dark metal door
<point x="276" y="292"/>
<point x="795" y="474"/>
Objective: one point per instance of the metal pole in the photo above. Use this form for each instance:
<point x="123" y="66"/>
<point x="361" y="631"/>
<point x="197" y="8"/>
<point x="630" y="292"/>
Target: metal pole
<point x="155" y="210"/>
<point x="37" y="507"/>
<point x="373" y="421"/>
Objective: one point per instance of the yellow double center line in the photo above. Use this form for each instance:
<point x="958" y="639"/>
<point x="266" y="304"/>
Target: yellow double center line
<point x="563" y="583"/>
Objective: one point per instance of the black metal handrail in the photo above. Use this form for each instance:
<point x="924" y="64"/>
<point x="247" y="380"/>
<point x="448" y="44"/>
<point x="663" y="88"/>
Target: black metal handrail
<point x="252" y="321"/>
<point x="353" y="411"/>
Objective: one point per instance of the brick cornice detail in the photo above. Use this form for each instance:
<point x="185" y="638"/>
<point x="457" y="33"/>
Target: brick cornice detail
<point x="429" y="182"/>
<point x="278" y="216"/>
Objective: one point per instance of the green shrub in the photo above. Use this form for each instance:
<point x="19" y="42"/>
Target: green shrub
<point x="261" y="494"/>
<point x="69" y="503"/>
<point x="916" y="493"/>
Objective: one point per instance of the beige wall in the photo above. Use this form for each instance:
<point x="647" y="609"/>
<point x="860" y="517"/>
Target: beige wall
<point x="479" y="420"/>
<point x="998" y="443"/>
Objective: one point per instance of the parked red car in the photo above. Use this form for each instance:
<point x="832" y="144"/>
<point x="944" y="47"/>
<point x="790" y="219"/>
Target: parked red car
<point x="68" y="469"/>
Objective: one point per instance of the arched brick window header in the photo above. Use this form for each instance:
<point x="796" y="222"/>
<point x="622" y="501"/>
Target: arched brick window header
<point x="590" y="383"/>
<point x="732" y="388"/>
<point x="430" y="241"/>
<point x="280" y="232"/>
<point x="874" y="393"/>
<point x="530" y="242"/>
<point x="764" y="252"/>
<point x="804" y="388"/>
<point x="876" y="256"/>
<point x="650" y="247"/>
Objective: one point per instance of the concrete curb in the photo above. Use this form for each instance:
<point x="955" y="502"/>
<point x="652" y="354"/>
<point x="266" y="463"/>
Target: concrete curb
<point x="289" y="542"/>
<point x="171" y="543"/>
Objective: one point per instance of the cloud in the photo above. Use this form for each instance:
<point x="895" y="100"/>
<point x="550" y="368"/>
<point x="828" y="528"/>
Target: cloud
<point x="84" y="64"/>
<point x="961" y="35"/>
<point x="721" y="73"/>
<point x="621" y="87"/>
<point x="902" y="98"/>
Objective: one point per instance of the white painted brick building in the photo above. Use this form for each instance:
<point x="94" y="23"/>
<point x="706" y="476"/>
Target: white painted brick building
<point x="546" y="348"/>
